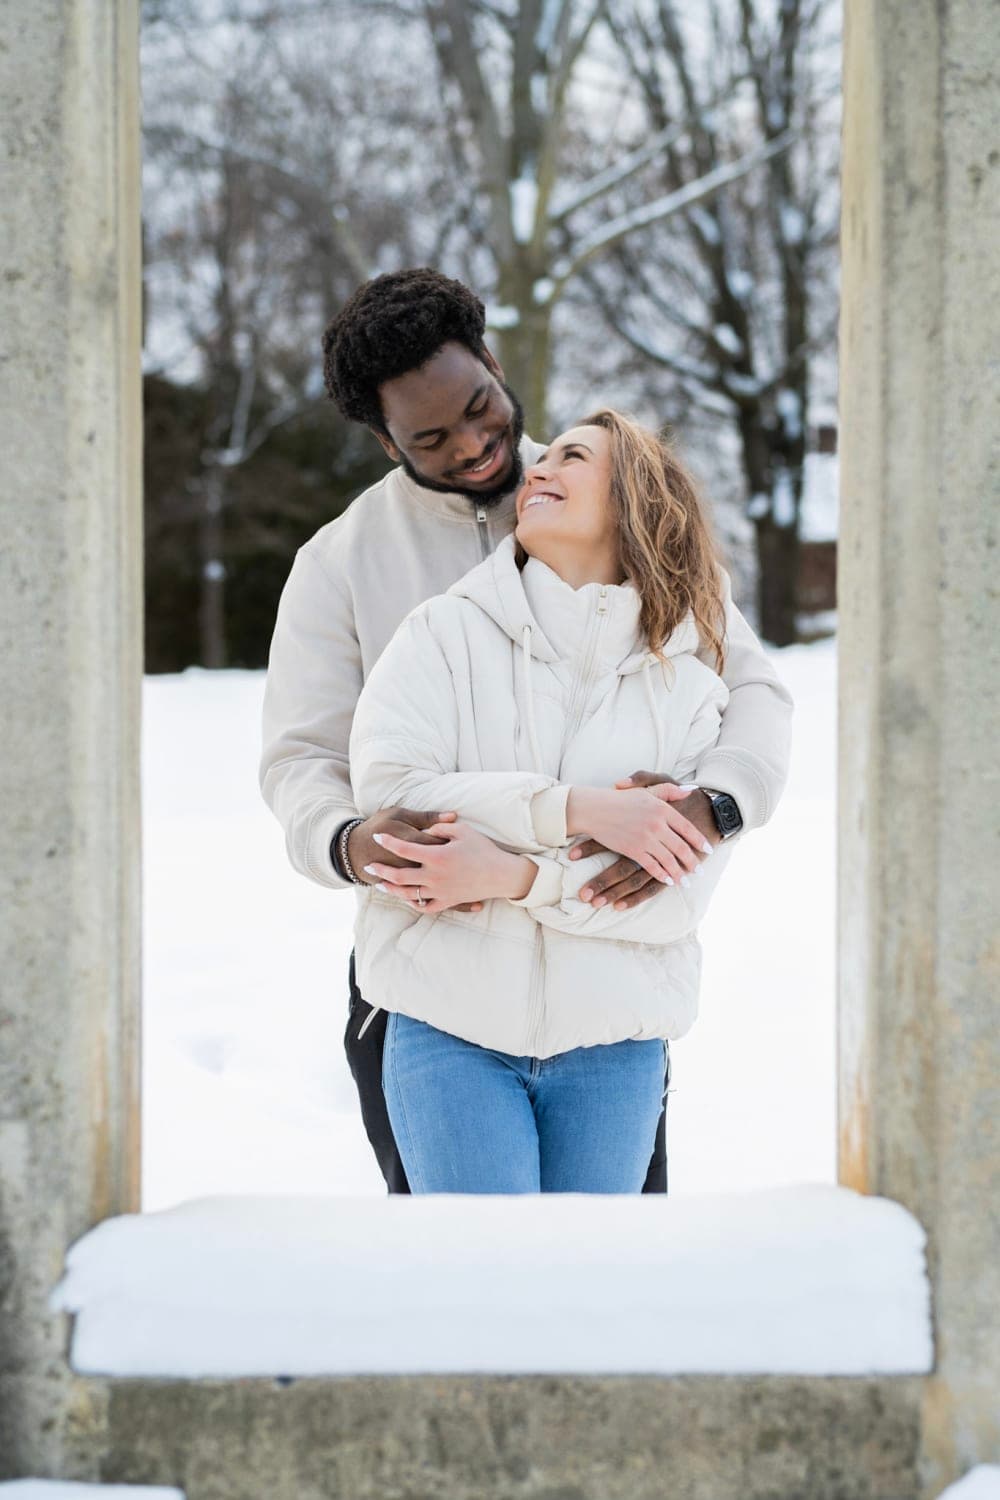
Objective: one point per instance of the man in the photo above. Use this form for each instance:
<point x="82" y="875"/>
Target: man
<point x="406" y="357"/>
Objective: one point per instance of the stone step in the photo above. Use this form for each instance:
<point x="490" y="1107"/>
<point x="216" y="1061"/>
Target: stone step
<point x="517" y="1438"/>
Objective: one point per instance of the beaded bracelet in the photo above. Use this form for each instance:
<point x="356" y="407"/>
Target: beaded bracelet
<point x="343" y="859"/>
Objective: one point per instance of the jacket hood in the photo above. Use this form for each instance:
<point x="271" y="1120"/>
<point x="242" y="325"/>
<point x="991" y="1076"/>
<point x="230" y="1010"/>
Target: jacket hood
<point x="555" y="614"/>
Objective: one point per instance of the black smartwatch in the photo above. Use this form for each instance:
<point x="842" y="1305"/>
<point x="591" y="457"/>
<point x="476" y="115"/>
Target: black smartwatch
<point x="728" y="819"/>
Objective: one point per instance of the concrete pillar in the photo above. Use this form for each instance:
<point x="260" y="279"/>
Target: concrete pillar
<point x="920" y="642"/>
<point x="70" y="668"/>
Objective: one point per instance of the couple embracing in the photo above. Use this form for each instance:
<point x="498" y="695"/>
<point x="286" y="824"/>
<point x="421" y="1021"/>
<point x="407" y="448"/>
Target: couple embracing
<point x="510" y="699"/>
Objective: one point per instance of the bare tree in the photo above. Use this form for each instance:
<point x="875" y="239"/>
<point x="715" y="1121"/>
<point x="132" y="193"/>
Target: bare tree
<point x="566" y="151"/>
<point x="738" y="301"/>
<point x="252" y="241"/>
<point x="508" y="74"/>
<point x="241" y="286"/>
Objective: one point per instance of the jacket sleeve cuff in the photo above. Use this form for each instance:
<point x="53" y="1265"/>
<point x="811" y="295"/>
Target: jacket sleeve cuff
<point x="547" y="888"/>
<point x="724" y="771"/>
<point x="548" y="817"/>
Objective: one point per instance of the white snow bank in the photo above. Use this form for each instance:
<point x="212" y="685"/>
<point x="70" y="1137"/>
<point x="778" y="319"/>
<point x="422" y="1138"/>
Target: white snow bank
<point x="981" y="1483"/>
<point x="812" y="1280"/>
<point x="58" y="1489"/>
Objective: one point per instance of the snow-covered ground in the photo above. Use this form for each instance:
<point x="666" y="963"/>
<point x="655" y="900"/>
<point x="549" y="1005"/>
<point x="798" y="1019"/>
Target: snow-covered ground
<point x="981" y="1483"/>
<point x="246" y="1089"/>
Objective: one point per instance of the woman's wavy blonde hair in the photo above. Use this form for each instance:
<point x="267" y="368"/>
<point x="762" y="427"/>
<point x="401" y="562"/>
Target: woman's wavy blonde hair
<point x="666" y="545"/>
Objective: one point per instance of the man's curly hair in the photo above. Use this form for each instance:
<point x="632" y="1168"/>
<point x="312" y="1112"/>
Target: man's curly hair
<point x="393" y="324"/>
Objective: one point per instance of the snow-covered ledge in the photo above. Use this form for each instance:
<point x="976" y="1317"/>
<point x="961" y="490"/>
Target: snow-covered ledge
<point x="809" y="1281"/>
<point x="61" y="1489"/>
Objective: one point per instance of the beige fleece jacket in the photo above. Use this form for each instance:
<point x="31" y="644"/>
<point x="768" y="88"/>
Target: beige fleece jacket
<point x="349" y="589"/>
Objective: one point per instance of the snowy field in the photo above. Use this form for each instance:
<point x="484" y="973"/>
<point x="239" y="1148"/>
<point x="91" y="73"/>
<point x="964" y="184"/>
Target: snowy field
<point x="246" y="1089"/>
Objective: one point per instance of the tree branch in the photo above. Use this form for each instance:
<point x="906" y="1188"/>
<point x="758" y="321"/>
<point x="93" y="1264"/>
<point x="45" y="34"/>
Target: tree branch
<point x="338" y="217"/>
<point x="663" y="208"/>
<point x="453" y="41"/>
<point x="622" y="170"/>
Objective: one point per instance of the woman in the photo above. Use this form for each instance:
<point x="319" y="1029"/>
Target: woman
<point x="525" y="1048"/>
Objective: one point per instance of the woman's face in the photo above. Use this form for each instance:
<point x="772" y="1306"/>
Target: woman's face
<point x="564" y="509"/>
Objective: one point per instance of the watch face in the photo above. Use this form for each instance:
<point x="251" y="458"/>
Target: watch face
<point x="727" y="815"/>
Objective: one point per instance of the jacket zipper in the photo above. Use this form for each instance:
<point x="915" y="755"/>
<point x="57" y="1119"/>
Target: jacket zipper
<point x="578" y="697"/>
<point x="484" y="534"/>
<point x="578" y="701"/>
<point x="536" y="1007"/>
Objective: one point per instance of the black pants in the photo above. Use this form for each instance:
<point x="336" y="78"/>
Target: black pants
<point x="364" y="1057"/>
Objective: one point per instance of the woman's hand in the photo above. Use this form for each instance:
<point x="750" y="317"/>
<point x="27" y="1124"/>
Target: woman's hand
<point x="466" y="868"/>
<point x="640" y="823"/>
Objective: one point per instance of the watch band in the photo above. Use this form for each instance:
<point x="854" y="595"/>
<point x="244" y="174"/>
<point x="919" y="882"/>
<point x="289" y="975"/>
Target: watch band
<point x="725" y="811"/>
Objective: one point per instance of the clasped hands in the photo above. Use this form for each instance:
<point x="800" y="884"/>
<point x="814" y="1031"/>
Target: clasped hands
<point x="662" y="833"/>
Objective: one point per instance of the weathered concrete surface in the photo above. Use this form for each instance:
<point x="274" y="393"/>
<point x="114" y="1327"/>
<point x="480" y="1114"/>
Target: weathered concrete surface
<point x="920" y="651"/>
<point x="519" y="1438"/>
<point x="70" y="644"/>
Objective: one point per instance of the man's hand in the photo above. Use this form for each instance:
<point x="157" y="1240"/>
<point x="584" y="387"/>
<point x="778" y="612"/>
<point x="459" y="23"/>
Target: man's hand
<point x="692" y="807"/>
<point x="625" y="883"/>
<point x="399" y="823"/>
<point x="437" y="876"/>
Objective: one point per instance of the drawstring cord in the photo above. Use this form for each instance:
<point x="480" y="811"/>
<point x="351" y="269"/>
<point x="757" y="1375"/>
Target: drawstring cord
<point x="530" y="703"/>
<point x="368" y="1021"/>
<point x="529" y="699"/>
<point x="651" y="701"/>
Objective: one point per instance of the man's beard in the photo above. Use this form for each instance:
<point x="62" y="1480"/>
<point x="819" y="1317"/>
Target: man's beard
<point x="485" y="497"/>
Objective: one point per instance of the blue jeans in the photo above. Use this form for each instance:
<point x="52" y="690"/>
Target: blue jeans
<point x="468" y="1119"/>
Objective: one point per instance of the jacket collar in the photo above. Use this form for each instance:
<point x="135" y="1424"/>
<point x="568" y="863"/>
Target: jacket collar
<point x="565" y="614"/>
<point x="558" y="615"/>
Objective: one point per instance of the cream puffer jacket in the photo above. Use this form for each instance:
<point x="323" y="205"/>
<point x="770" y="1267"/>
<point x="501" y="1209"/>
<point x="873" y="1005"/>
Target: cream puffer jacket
<point x="494" y="699"/>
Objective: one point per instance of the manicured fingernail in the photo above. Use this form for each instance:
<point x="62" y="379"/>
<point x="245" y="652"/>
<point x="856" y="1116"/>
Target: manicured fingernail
<point x="383" y="888"/>
<point x="377" y="839"/>
<point x="601" y="901"/>
<point x="625" y="781"/>
<point x="706" y="846"/>
<point x="688" y="786"/>
<point x="697" y="870"/>
<point x="685" y="880"/>
<point x="370" y="870"/>
<point x="585" y="895"/>
<point x="574" y="854"/>
<point x="668" y="881"/>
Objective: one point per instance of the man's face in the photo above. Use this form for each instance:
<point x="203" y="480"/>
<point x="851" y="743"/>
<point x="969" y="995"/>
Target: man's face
<point x="454" y="425"/>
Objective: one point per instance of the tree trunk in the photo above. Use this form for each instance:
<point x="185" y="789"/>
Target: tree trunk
<point x="525" y="347"/>
<point x="212" y="575"/>
<point x="777" y="580"/>
<point x="771" y="448"/>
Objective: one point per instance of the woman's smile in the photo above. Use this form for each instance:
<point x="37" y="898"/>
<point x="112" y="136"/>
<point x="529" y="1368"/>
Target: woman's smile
<point x="542" y="497"/>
